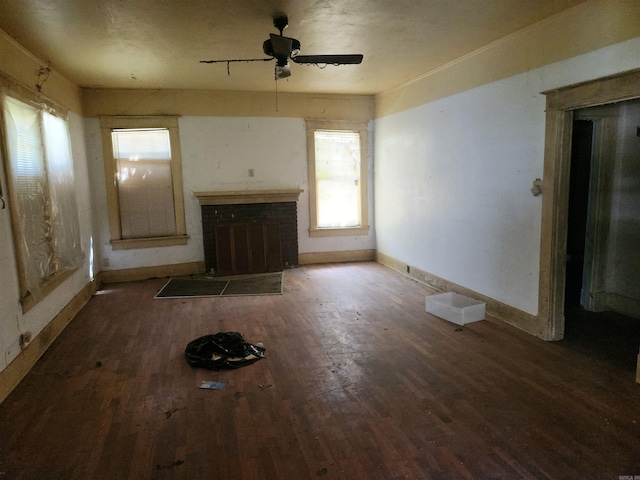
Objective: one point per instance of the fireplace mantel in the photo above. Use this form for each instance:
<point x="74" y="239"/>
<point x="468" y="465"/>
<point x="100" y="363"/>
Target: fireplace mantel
<point x="239" y="197"/>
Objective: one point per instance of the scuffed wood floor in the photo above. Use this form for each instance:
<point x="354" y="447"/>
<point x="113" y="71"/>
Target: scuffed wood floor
<point x="358" y="383"/>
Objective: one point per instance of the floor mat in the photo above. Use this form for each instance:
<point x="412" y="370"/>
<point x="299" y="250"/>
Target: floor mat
<point x="264" y="284"/>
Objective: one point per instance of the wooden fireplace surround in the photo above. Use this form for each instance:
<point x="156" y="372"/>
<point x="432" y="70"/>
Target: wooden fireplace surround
<point x="251" y="231"/>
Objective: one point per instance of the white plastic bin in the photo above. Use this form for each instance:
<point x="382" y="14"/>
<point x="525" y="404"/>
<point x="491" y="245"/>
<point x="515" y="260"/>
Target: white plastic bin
<point x="455" y="308"/>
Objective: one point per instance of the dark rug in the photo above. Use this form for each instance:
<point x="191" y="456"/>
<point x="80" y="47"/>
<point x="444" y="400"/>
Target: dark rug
<point x="265" y="284"/>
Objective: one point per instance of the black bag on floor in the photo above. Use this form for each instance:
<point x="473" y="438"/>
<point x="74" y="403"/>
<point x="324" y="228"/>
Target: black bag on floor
<point x="222" y="350"/>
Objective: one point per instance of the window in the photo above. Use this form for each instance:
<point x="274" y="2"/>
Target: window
<point x="337" y="154"/>
<point x="42" y="193"/>
<point x="144" y="181"/>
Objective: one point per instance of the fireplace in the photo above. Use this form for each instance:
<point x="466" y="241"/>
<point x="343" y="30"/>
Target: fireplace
<point x="249" y="231"/>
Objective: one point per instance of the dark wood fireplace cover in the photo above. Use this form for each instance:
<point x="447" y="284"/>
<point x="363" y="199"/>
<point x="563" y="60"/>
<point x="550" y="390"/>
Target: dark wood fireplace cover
<point x="243" y="248"/>
<point x="233" y="236"/>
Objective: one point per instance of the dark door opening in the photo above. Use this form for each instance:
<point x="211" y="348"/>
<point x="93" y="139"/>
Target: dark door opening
<point x="581" y="154"/>
<point x="606" y="334"/>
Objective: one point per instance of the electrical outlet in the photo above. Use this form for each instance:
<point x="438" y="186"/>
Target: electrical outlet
<point x="251" y="172"/>
<point x="106" y="262"/>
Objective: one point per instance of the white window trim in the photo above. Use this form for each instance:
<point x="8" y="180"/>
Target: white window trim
<point x="110" y="168"/>
<point x="352" y="126"/>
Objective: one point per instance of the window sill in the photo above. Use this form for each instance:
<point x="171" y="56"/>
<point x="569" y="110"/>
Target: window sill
<point x="337" y="232"/>
<point x="150" y="242"/>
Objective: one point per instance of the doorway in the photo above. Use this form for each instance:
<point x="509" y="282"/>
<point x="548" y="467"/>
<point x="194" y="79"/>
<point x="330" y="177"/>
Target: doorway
<point x="599" y="153"/>
<point x="560" y="107"/>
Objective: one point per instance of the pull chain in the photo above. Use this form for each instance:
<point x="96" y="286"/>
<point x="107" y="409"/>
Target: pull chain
<point x="276" y="77"/>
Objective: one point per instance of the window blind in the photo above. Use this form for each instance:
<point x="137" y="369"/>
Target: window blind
<point x="28" y="179"/>
<point x="144" y="182"/>
<point x="61" y="183"/>
<point x="337" y="155"/>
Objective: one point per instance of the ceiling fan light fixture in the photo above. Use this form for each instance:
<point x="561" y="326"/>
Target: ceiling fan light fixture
<point x="282" y="71"/>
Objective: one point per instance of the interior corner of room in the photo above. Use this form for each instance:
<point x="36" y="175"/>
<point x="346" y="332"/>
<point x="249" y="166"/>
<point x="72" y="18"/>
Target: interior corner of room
<point x="451" y="157"/>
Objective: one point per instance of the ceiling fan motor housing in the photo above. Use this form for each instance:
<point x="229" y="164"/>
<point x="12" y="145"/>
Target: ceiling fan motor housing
<point x="282" y="50"/>
<point x="281" y="22"/>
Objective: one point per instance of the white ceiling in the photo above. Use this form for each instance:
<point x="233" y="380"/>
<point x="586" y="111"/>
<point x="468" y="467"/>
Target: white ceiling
<point x="158" y="43"/>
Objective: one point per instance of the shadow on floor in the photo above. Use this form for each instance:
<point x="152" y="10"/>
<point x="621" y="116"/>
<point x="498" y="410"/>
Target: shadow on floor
<point x="610" y="336"/>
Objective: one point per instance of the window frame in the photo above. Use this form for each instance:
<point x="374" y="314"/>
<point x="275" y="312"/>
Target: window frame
<point x="362" y="129"/>
<point x="107" y="124"/>
<point x="29" y="297"/>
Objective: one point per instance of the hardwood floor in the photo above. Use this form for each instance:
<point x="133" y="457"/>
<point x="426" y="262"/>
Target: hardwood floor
<point x="358" y="383"/>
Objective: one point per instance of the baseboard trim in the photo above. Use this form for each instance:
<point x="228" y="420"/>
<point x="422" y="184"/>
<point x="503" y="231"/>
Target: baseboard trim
<point x="501" y="311"/>
<point x="621" y="304"/>
<point x="144" y="273"/>
<point x="336" y="257"/>
<point x="13" y="374"/>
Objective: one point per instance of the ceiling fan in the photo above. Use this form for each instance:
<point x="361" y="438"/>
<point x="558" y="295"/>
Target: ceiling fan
<point x="281" y="49"/>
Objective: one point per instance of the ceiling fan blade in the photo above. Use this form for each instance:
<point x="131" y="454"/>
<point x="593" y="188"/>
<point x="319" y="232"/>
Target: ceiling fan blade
<point x="238" y="60"/>
<point x="354" y="59"/>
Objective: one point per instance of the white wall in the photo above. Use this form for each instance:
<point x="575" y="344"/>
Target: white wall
<point x="623" y="265"/>
<point x="453" y="177"/>
<point x="10" y="311"/>
<point x="217" y="153"/>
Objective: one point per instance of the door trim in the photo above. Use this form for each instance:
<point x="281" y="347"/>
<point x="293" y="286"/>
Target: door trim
<point x="560" y="104"/>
